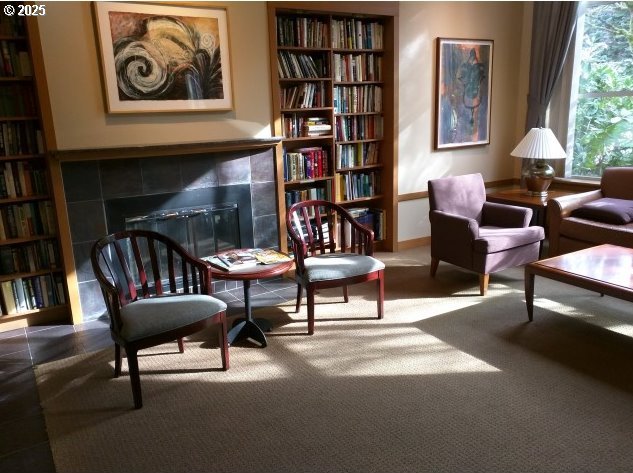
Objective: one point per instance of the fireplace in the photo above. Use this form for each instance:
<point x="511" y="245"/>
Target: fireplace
<point x="206" y="201"/>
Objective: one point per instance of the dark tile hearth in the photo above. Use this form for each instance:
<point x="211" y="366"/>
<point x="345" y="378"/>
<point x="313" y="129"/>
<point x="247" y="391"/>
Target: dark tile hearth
<point x="99" y="193"/>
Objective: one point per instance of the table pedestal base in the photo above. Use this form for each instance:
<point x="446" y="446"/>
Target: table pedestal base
<point x="251" y="330"/>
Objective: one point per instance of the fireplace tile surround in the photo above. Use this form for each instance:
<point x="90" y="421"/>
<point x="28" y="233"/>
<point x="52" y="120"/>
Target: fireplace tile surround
<point x="89" y="184"/>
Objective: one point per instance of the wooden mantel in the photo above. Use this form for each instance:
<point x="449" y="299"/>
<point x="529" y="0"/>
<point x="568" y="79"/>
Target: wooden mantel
<point x="173" y="149"/>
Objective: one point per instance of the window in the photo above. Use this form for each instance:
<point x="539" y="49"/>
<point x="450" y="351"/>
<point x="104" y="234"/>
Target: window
<point x="601" y="105"/>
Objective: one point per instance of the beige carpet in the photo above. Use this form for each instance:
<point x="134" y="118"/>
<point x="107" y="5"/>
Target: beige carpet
<point x="447" y="382"/>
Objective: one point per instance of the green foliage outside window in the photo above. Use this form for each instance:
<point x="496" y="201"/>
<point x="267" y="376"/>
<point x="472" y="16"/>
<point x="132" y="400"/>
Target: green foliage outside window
<point x="604" y="113"/>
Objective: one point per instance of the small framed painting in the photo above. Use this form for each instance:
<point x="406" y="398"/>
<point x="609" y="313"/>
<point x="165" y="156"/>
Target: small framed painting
<point x="163" y="58"/>
<point x="463" y="92"/>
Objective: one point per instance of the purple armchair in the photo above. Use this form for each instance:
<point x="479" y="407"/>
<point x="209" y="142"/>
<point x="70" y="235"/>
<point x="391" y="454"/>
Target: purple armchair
<point x="480" y="236"/>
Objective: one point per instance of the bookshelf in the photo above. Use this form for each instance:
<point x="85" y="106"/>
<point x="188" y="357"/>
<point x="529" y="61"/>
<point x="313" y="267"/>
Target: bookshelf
<point x="332" y="76"/>
<point x="32" y="280"/>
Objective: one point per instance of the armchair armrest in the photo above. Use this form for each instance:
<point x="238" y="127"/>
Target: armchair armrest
<point x="452" y="237"/>
<point x="560" y="208"/>
<point x="504" y="215"/>
<point x="455" y="228"/>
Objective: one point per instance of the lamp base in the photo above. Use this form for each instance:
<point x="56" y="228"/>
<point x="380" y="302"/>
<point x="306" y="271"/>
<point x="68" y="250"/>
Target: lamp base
<point x="538" y="178"/>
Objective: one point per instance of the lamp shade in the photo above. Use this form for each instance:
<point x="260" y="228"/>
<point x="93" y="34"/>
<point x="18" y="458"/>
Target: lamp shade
<point x="539" y="143"/>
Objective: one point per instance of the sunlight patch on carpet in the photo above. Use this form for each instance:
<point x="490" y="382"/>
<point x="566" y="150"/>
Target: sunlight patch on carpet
<point x="386" y="351"/>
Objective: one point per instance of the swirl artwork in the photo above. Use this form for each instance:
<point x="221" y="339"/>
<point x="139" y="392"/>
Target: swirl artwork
<point x="464" y="81"/>
<point x="159" y="58"/>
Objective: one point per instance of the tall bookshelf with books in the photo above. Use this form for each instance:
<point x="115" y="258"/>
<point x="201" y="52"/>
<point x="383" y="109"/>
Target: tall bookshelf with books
<point x="333" y="104"/>
<point x="32" y="281"/>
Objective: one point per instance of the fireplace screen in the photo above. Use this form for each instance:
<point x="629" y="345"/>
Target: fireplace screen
<point x="202" y="230"/>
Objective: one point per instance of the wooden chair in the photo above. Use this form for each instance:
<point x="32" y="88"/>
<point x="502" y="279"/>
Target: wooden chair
<point x="331" y="249"/>
<point x="155" y="292"/>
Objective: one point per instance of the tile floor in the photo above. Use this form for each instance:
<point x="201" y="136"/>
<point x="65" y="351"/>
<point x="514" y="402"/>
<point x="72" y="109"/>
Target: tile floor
<point x="24" y="446"/>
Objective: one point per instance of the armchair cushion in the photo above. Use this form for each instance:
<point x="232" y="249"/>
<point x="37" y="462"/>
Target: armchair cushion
<point x="495" y="239"/>
<point x="607" y="210"/>
<point x="331" y="266"/>
<point x="155" y="315"/>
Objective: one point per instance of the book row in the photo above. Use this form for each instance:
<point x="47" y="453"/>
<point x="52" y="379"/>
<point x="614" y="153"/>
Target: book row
<point x="365" y="127"/>
<point x="35" y="256"/>
<point x="301" y="32"/>
<point x="12" y="25"/>
<point x="357" y="99"/>
<point x="17" y="100"/>
<point x="27" y="220"/>
<point x="306" y="163"/>
<point x="357" y="67"/>
<point x="356" y="155"/>
<point x="22" y="179"/>
<point x="301" y="66"/>
<point x="296" y="126"/>
<point x="306" y="95"/>
<point x="371" y="218"/>
<point x="351" y="33"/>
<point x="14" y="60"/>
<point x="358" y="185"/>
<point x="37" y="292"/>
<point x="313" y="193"/>
<point x="20" y="137"/>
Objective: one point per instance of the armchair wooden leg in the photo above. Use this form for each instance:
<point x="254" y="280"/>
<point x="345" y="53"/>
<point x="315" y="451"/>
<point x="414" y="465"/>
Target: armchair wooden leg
<point x="381" y="295"/>
<point x="434" y="264"/>
<point x="345" y="294"/>
<point x="117" y="360"/>
<point x="135" y="377"/>
<point x="483" y="283"/>
<point x="310" y="302"/>
<point x="181" y="346"/>
<point x="224" y="343"/>
<point x="299" y="291"/>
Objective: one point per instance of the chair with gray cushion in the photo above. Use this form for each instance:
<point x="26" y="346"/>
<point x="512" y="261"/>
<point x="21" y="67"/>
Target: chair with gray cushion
<point x="155" y="292"/>
<point x="480" y="236"/>
<point x="331" y="249"/>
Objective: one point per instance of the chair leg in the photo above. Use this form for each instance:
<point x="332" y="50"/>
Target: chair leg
<point x="381" y="295"/>
<point x="434" y="264"/>
<point x="181" y="345"/>
<point x="224" y="344"/>
<point x="345" y="294"/>
<point x="135" y="378"/>
<point x="117" y="360"/>
<point x="483" y="283"/>
<point x="299" y="291"/>
<point x="310" y="301"/>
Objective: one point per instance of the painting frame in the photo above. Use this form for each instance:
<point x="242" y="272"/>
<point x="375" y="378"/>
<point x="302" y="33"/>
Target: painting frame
<point x="463" y="92"/>
<point x="163" y="58"/>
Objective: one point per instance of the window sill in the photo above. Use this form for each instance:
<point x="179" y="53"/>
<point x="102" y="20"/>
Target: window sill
<point x="577" y="185"/>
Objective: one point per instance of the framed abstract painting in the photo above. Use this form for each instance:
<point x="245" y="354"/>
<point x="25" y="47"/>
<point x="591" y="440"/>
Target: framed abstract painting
<point x="163" y="58"/>
<point x="463" y="92"/>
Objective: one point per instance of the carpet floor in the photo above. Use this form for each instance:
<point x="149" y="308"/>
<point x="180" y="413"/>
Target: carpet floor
<point x="448" y="381"/>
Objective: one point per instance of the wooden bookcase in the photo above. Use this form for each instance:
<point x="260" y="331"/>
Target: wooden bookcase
<point x="32" y="280"/>
<point x="333" y="97"/>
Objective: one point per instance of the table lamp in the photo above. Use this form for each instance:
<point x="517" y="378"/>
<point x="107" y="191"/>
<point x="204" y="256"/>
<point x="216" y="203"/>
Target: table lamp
<point x="539" y="144"/>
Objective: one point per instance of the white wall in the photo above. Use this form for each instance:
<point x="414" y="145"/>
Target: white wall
<point x="420" y="24"/>
<point x="74" y="80"/>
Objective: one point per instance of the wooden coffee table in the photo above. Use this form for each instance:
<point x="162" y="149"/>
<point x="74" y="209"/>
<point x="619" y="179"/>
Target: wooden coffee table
<point x="248" y="327"/>
<point x="607" y="269"/>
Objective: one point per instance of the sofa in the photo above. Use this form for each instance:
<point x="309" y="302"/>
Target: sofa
<point x="593" y="218"/>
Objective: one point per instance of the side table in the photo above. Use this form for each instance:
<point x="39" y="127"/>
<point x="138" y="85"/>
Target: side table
<point x="248" y="327"/>
<point x="518" y="196"/>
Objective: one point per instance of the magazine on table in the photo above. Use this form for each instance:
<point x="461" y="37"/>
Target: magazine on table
<point x="241" y="259"/>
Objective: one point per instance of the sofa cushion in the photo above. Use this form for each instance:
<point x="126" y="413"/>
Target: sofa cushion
<point x="606" y="210"/>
